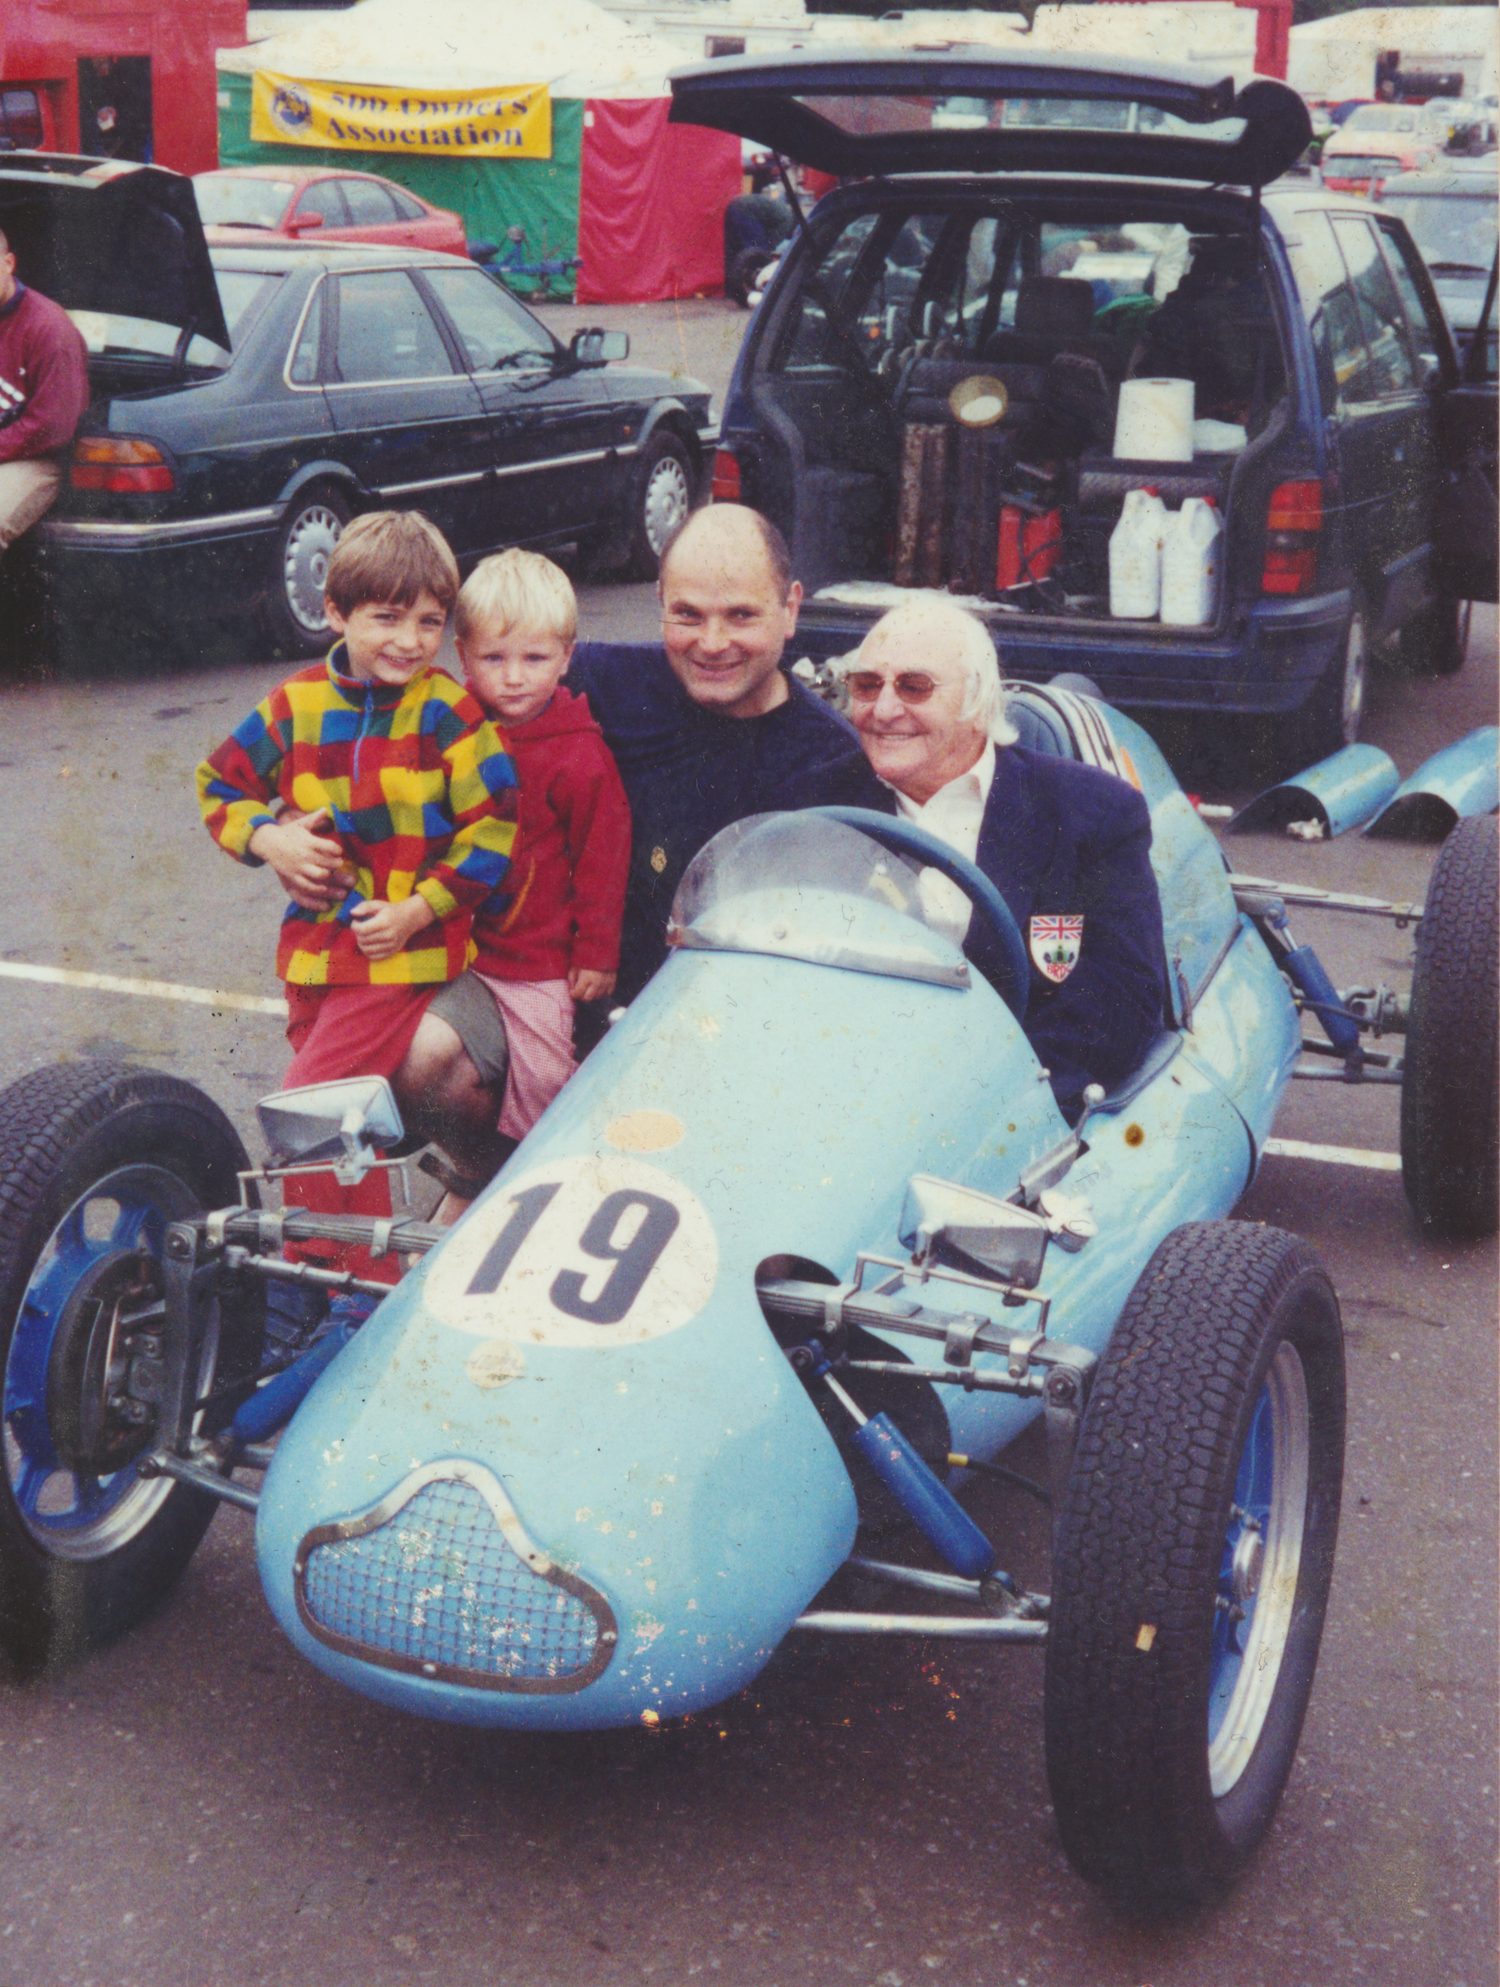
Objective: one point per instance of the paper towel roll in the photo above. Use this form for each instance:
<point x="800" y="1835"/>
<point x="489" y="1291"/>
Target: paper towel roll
<point x="1155" y="420"/>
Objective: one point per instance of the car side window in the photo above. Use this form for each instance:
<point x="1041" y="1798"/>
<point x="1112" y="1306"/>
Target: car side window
<point x="1392" y="368"/>
<point x="323" y="197"/>
<point x="1328" y="304"/>
<point x="808" y="339"/>
<point x="385" y="330"/>
<point x="492" y="328"/>
<point x="303" y="370"/>
<point x="1427" y="341"/>
<point x="406" y="208"/>
<point x="370" y="206"/>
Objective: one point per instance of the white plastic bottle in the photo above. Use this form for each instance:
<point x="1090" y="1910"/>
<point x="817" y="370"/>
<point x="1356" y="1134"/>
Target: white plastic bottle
<point x="1190" y="565"/>
<point x="1135" y="557"/>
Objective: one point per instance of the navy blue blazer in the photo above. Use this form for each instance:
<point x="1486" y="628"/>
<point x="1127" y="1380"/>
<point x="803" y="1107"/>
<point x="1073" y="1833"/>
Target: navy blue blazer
<point x="1063" y="841"/>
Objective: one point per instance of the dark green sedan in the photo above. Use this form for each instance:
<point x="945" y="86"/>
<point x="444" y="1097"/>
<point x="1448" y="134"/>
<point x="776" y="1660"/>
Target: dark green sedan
<point x="249" y="399"/>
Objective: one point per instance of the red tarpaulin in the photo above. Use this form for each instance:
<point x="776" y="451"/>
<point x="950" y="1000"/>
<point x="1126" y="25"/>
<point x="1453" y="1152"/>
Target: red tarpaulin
<point x="651" y="203"/>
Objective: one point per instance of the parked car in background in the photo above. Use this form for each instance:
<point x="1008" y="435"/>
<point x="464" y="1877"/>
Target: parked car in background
<point x="931" y="392"/>
<point x="1374" y="139"/>
<point x="293" y="201"/>
<point x="1452" y="211"/>
<point x="246" y="407"/>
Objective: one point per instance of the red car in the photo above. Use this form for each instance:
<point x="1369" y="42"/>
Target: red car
<point x="292" y="201"/>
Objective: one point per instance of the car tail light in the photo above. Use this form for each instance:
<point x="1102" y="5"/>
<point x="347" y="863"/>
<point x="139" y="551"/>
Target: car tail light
<point x="111" y="462"/>
<point x="1294" y="521"/>
<point x="725" y="488"/>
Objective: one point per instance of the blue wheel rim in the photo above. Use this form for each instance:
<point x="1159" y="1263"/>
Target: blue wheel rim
<point x="71" y="1513"/>
<point x="1259" y="1567"/>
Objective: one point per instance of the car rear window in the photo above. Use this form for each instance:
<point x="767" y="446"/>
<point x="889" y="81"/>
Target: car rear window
<point x="1358" y="165"/>
<point x="890" y="112"/>
<point x="224" y="200"/>
<point x="243" y="294"/>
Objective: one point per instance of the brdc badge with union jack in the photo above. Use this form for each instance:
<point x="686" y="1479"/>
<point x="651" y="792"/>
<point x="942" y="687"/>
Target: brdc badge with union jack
<point x="1055" y="944"/>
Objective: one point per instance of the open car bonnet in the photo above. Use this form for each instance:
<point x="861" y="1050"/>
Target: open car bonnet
<point x="969" y="110"/>
<point x="125" y="240"/>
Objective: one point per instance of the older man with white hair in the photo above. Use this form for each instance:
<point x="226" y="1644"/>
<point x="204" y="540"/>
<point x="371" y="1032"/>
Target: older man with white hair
<point x="1067" y="846"/>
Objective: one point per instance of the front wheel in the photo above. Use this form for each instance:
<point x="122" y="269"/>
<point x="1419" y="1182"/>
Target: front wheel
<point x="96" y="1161"/>
<point x="295" y="616"/>
<point x="1450" y="1119"/>
<point x="1192" y="1565"/>
<point x="661" y="495"/>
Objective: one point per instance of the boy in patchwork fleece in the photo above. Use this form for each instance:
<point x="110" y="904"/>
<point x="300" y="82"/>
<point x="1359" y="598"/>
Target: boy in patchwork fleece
<point x="404" y="797"/>
<point x="397" y="802"/>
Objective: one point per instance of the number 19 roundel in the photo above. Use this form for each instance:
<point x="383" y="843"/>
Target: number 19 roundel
<point x="592" y="1250"/>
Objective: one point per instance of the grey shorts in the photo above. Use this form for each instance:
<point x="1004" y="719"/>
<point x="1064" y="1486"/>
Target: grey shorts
<point x="468" y="1007"/>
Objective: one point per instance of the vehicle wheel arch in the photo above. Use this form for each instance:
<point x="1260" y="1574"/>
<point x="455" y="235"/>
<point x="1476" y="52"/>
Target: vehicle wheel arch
<point x="331" y="472"/>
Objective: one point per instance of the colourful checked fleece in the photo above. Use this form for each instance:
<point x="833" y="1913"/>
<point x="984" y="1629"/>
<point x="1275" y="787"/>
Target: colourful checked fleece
<point x="423" y="797"/>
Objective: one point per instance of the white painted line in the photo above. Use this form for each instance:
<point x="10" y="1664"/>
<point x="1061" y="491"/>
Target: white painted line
<point x="65" y="976"/>
<point x="1333" y="1155"/>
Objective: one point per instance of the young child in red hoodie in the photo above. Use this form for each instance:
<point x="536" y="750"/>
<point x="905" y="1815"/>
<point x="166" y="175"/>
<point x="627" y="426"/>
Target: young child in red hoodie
<point x="552" y="936"/>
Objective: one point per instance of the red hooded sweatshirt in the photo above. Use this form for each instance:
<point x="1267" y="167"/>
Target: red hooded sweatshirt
<point x="564" y="894"/>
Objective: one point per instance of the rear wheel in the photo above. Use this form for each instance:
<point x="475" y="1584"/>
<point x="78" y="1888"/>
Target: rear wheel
<point x="1450" y="1123"/>
<point x="295" y="617"/>
<point x="1435" y="642"/>
<point x="96" y="1160"/>
<point x="661" y="495"/>
<point x="1336" y="709"/>
<point x="1192" y="1566"/>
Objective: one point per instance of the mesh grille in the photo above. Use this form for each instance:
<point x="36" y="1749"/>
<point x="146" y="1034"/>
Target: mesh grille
<point x="439" y="1584"/>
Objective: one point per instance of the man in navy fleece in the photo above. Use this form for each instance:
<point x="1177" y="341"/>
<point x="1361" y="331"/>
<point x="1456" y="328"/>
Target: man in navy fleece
<point x="706" y="729"/>
<point x="709" y="728"/>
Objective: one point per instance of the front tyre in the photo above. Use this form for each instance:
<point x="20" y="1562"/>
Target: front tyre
<point x="295" y="617"/>
<point x="1192" y="1563"/>
<point x="1450" y="1123"/>
<point x="96" y="1160"/>
<point x="661" y="495"/>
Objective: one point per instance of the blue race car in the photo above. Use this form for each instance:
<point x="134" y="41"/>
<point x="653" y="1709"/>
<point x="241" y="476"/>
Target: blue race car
<point x="804" y="1246"/>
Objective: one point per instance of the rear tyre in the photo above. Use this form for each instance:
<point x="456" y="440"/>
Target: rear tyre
<point x="1450" y="1127"/>
<point x="1336" y="708"/>
<point x="1191" y="1571"/>
<point x="96" y="1160"/>
<point x="1435" y="642"/>
<point x="295" y="619"/>
<point x="661" y="495"/>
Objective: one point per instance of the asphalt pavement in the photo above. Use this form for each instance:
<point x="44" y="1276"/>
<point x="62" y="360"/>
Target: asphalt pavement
<point x="195" y="1803"/>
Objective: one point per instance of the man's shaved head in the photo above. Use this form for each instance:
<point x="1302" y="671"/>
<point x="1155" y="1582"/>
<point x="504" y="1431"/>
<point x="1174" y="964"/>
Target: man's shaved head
<point x="731" y="532"/>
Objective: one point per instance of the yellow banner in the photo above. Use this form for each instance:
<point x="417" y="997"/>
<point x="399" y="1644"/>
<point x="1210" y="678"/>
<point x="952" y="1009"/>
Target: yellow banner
<point x="511" y="124"/>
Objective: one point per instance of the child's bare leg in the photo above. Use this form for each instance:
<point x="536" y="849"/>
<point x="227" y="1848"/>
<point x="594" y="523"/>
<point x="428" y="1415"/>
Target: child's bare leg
<point x="443" y="1097"/>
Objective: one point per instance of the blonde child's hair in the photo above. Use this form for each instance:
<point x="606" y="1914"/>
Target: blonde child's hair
<point x="391" y="557"/>
<point x="518" y="589"/>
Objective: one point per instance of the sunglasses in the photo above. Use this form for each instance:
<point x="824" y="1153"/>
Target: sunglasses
<point x="912" y="687"/>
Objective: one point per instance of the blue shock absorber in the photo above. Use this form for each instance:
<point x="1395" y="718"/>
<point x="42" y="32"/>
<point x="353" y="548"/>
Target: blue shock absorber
<point x="931" y="1506"/>
<point x="1321" y="995"/>
<point x="272" y="1406"/>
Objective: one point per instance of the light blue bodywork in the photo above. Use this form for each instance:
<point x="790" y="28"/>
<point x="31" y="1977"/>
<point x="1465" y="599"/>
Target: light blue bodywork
<point x="1462" y="779"/>
<point x="672" y="1463"/>
<point x="1338" y="793"/>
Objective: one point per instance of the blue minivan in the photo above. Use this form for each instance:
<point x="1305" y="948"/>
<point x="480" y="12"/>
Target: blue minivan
<point x="929" y="393"/>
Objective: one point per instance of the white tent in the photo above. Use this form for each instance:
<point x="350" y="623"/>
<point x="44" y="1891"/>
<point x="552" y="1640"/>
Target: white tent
<point x="578" y="49"/>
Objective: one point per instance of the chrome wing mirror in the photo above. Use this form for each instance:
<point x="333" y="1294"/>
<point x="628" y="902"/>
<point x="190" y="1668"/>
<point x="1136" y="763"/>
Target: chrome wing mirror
<point x="345" y="1122"/>
<point x="940" y="1220"/>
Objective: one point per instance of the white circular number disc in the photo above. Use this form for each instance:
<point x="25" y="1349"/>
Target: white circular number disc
<point x="593" y="1250"/>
